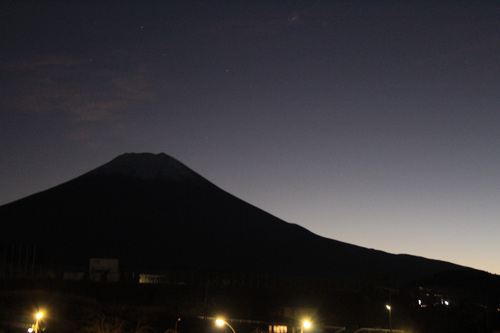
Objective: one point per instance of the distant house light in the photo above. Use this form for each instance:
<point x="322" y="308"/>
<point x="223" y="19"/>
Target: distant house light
<point x="279" y="329"/>
<point x="153" y="278"/>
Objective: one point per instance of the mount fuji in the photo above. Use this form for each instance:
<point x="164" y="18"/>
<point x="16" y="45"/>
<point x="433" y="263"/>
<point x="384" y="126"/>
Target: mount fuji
<point x="153" y="213"/>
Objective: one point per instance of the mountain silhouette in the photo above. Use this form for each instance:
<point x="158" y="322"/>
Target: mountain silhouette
<point x="153" y="213"/>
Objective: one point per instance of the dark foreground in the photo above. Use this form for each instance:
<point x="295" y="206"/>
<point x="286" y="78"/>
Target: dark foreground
<point x="463" y="304"/>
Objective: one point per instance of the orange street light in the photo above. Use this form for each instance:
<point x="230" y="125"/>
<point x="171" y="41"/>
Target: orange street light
<point x="39" y="316"/>
<point x="222" y="322"/>
<point x="306" y="324"/>
<point x="390" y="316"/>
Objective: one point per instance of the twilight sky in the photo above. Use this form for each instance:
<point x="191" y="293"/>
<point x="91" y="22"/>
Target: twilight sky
<point x="375" y="123"/>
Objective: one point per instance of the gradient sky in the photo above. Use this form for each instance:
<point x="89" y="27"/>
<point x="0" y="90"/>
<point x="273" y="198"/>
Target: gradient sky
<point x="375" y="123"/>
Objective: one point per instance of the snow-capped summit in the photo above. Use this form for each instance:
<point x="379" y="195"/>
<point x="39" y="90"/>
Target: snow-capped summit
<point x="148" y="166"/>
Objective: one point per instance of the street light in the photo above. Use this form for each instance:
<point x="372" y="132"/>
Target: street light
<point x="222" y="322"/>
<point x="390" y="316"/>
<point x="177" y="322"/>
<point x="38" y="317"/>
<point x="306" y="324"/>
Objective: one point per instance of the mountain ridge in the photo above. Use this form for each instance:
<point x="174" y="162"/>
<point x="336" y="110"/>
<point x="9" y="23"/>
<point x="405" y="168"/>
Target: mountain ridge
<point x="152" y="213"/>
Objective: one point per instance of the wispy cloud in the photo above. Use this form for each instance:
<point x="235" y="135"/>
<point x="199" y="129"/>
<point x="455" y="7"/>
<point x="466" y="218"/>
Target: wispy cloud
<point x="78" y="92"/>
<point x="40" y="63"/>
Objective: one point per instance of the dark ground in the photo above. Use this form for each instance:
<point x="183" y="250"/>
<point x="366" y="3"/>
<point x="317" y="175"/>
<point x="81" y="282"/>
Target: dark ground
<point x="86" y="306"/>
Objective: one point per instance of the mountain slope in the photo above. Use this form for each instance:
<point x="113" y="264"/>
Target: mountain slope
<point x="152" y="212"/>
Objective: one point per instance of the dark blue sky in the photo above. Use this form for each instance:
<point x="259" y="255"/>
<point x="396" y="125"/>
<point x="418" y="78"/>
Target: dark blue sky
<point x="371" y="122"/>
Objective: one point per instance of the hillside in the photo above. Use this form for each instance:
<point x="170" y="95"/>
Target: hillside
<point x="153" y="213"/>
